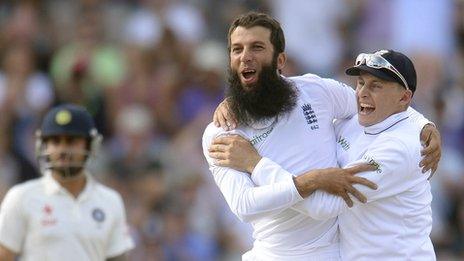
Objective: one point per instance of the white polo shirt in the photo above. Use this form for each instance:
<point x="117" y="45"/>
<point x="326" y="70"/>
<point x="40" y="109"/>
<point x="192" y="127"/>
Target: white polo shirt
<point x="40" y="220"/>
<point x="396" y="222"/>
<point x="302" y="140"/>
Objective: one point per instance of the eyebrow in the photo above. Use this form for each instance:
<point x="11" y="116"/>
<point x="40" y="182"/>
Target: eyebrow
<point x="252" y="43"/>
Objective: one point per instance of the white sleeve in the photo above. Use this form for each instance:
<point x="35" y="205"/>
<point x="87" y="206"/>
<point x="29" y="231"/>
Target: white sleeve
<point x="119" y="241"/>
<point x="13" y="223"/>
<point x="341" y="97"/>
<point x="393" y="176"/>
<point x="268" y="172"/>
<point x="247" y="201"/>
<point x="392" y="158"/>
<point x="417" y="118"/>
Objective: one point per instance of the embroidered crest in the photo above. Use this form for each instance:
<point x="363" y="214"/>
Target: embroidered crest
<point x="310" y="116"/>
<point x="98" y="215"/>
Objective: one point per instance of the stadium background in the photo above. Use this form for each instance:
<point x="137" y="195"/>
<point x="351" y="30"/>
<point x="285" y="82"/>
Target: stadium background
<point x="152" y="71"/>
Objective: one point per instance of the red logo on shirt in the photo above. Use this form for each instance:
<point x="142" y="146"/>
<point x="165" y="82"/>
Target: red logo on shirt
<point x="47" y="209"/>
<point x="48" y="220"/>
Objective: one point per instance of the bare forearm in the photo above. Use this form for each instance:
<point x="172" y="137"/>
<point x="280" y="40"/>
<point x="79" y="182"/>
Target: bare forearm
<point x="6" y="254"/>
<point x="306" y="184"/>
<point x="335" y="181"/>
<point x="122" y="257"/>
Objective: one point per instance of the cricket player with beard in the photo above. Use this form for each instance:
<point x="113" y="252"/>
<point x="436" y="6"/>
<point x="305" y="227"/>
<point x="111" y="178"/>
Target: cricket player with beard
<point x="66" y="214"/>
<point x="288" y="120"/>
<point x="396" y="221"/>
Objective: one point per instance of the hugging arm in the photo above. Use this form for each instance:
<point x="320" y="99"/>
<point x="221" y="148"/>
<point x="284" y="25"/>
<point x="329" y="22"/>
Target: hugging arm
<point x="245" y="199"/>
<point x="236" y="152"/>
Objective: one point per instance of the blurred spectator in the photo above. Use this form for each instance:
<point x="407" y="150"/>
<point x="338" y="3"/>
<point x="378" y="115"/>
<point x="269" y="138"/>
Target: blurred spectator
<point x="372" y="33"/>
<point x="185" y="20"/>
<point x="22" y="23"/>
<point x="424" y="29"/>
<point x="206" y="90"/>
<point x="140" y="87"/>
<point x="25" y="94"/>
<point x="135" y="144"/>
<point x="313" y="32"/>
<point x="143" y="29"/>
<point x="180" y="241"/>
<point x="85" y="68"/>
<point x="147" y="200"/>
<point x="14" y="168"/>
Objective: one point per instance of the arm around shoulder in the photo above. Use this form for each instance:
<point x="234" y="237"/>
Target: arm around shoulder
<point x="341" y="97"/>
<point x="391" y="157"/>
<point x="417" y="118"/>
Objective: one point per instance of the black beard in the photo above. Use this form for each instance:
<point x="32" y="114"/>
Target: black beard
<point x="68" y="172"/>
<point x="271" y="96"/>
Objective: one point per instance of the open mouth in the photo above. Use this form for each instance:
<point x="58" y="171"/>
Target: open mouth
<point x="365" y="109"/>
<point x="249" y="75"/>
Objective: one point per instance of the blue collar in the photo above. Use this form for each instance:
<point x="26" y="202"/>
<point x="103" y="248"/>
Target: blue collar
<point x="386" y="124"/>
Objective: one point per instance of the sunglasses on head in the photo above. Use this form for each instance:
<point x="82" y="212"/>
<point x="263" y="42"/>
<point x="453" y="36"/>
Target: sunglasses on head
<point x="376" y="61"/>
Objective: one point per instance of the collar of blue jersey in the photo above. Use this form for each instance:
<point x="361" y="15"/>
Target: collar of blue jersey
<point x="386" y="124"/>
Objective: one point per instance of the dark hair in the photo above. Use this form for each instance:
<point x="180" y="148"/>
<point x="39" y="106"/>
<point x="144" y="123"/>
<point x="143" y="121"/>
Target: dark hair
<point x="252" y="19"/>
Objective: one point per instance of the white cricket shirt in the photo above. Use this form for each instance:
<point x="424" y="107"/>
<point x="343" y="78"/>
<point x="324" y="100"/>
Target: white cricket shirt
<point x="40" y="220"/>
<point x="300" y="141"/>
<point x="396" y="222"/>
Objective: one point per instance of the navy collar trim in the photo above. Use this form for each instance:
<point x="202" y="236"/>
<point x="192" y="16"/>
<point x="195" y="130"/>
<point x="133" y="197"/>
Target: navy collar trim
<point x="377" y="133"/>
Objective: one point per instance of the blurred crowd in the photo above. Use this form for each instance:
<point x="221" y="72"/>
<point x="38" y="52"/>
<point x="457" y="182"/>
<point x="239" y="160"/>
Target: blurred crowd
<point x="151" y="73"/>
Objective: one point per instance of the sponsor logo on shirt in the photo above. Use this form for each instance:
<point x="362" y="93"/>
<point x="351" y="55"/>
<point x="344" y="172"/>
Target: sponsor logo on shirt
<point x="261" y="137"/>
<point x="310" y="116"/>
<point x="343" y="143"/>
<point x="372" y="162"/>
<point x="48" y="219"/>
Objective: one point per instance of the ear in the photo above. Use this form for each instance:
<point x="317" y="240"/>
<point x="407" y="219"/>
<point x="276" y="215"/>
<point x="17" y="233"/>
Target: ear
<point x="406" y="97"/>
<point x="281" y="60"/>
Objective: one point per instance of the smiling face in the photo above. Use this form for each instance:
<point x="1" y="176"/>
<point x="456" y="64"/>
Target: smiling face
<point x="251" y="50"/>
<point x="378" y="99"/>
